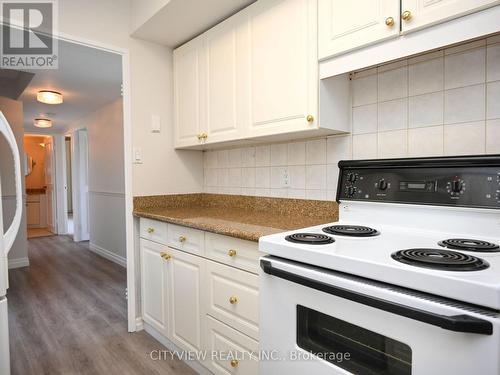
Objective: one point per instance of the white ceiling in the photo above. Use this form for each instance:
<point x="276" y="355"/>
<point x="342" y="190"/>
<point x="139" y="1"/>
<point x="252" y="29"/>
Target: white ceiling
<point x="88" y="78"/>
<point x="181" y="20"/>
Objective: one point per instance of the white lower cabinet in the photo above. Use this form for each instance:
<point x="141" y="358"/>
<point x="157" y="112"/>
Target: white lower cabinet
<point x="230" y="350"/>
<point x="184" y="280"/>
<point x="233" y="297"/>
<point x="154" y="285"/>
<point x="198" y="303"/>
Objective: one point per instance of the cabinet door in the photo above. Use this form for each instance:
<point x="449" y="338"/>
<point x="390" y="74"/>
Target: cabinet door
<point x="153" y="285"/>
<point x="185" y="272"/>
<point x="189" y="92"/>
<point x="236" y="350"/>
<point x="283" y="66"/>
<point x="346" y="25"/>
<point x="425" y="13"/>
<point x="33" y="213"/>
<point x="226" y="79"/>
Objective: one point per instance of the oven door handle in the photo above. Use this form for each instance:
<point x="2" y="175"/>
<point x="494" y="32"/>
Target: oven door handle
<point x="457" y="323"/>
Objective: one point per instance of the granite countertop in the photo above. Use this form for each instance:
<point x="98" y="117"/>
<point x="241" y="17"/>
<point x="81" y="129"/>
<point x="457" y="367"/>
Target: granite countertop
<point x="242" y="217"/>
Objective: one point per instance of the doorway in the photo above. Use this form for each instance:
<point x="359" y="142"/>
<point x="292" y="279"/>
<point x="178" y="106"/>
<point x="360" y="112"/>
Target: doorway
<point x="40" y="194"/>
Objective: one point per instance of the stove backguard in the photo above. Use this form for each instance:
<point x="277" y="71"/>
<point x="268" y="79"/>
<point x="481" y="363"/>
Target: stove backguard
<point x="468" y="181"/>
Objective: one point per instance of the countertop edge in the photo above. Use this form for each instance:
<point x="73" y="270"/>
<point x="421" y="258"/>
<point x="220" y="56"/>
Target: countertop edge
<point x="240" y="234"/>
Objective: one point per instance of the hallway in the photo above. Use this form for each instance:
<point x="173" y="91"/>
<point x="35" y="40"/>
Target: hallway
<point x="68" y="315"/>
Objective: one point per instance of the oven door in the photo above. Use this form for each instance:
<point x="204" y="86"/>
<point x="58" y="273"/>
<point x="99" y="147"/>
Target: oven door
<point x="315" y="321"/>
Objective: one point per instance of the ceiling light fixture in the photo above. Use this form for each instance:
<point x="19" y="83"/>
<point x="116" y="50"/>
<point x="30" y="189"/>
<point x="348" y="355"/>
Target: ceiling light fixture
<point x="43" y="123"/>
<point x="49" y="97"/>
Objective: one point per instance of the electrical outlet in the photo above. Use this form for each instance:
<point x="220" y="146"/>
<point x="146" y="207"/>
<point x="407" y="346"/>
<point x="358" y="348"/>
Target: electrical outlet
<point x="285" y="178"/>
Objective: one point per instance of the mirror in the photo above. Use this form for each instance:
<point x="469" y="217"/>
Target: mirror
<point x="29" y="164"/>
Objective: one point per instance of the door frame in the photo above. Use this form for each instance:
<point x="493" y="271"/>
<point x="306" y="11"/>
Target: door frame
<point x="127" y="142"/>
<point x="80" y="205"/>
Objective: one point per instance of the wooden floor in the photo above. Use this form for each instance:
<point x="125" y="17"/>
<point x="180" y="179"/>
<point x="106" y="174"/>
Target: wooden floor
<point x="67" y="315"/>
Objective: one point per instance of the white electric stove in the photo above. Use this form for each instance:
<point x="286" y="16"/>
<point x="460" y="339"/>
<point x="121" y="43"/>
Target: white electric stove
<point x="407" y="282"/>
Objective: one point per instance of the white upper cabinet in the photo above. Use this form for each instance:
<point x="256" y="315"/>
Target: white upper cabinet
<point x="417" y="14"/>
<point x="226" y="67"/>
<point x="189" y="84"/>
<point x="346" y="25"/>
<point x="254" y="75"/>
<point x="283" y="66"/>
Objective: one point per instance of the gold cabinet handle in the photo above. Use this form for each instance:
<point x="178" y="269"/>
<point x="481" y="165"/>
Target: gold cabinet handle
<point x="182" y="238"/>
<point x="234" y="363"/>
<point x="165" y="256"/>
<point x="389" y="21"/>
<point x="233" y="300"/>
<point x="231" y="253"/>
<point x="310" y="118"/>
<point x="151" y="230"/>
<point x="406" y="15"/>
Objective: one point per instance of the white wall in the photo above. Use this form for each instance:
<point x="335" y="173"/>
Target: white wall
<point x="106" y="179"/>
<point x="13" y="111"/>
<point x="443" y="103"/>
<point x="164" y="170"/>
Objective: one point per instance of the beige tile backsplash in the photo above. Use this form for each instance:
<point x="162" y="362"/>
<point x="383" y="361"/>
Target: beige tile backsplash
<point x="443" y="103"/>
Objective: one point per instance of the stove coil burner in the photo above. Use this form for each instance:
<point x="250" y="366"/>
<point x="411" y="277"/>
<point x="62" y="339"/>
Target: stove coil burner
<point x="439" y="259"/>
<point x="470" y="245"/>
<point x="310" y="238"/>
<point x="351" y="230"/>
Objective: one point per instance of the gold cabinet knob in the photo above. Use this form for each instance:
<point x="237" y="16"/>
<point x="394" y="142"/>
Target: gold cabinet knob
<point x="231" y="253"/>
<point x="151" y="230"/>
<point x="182" y="238"/>
<point x="406" y="15"/>
<point x="233" y="300"/>
<point x="165" y="256"/>
<point x="310" y="118"/>
<point x="234" y="363"/>
<point x="389" y="21"/>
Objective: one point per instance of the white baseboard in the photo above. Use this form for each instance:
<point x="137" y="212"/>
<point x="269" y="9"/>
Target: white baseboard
<point x="19" y="262"/>
<point x="108" y="255"/>
<point x="139" y="324"/>
<point x="195" y="365"/>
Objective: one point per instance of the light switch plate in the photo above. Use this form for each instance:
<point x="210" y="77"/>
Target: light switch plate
<point x="155" y="124"/>
<point x="137" y="155"/>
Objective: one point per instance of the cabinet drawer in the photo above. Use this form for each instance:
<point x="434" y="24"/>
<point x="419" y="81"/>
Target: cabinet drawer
<point x="186" y="239"/>
<point x="154" y="230"/>
<point x="233" y="251"/>
<point x="230" y="345"/>
<point x="233" y="297"/>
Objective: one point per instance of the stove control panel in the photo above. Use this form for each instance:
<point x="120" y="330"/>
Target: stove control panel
<point x="451" y="181"/>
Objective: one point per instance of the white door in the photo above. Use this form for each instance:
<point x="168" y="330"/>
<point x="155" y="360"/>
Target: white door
<point x="283" y="66"/>
<point x="6" y="241"/>
<point x="185" y="272"/>
<point x="227" y="79"/>
<point x="422" y="13"/>
<point x="50" y="184"/>
<point x="189" y="92"/>
<point x="154" y="285"/>
<point x="346" y="25"/>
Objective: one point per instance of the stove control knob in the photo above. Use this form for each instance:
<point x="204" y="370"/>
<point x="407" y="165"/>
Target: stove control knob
<point x="382" y="185"/>
<point x="351" y="191"/>
<point x="352" y="177"/>
<point x="457" y="186"/>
